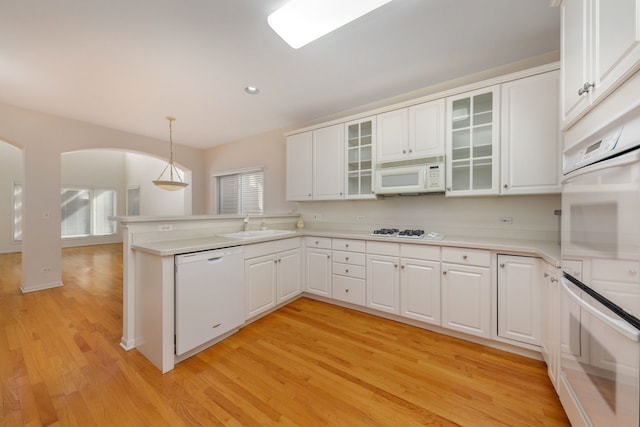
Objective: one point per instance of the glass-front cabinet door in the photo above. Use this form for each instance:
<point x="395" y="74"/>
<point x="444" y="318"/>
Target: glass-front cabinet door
<point x="360" y="137"/>
<point x="473" y="142"/>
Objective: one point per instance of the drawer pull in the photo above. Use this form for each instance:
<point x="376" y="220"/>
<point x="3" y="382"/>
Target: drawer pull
<point x="346" y="290"/>
<point x="346" y="258"/>
<point x="464" y="257"/>
<point x="215" y="326"/>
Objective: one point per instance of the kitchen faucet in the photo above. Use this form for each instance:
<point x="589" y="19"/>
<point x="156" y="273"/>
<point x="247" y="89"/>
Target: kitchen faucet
<point x="246" y="223"/>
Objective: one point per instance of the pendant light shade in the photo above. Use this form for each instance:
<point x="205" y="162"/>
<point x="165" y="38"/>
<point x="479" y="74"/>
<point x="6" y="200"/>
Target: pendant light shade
<point x="170" y="184"/>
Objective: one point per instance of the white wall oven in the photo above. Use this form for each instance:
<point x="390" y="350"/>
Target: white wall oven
<point x="600" y="344"/>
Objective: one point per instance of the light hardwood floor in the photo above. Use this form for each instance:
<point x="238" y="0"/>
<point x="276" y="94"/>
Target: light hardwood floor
<point x="308" y="364"/>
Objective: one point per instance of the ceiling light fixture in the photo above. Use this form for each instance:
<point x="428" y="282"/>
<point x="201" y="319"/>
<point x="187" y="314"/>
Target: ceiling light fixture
<point x="171" y="184"/>
<point x="252" y="90"/>
<point x="299" y="22"/>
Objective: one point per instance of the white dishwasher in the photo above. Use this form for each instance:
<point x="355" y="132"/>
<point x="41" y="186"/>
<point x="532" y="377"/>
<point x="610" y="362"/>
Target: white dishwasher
<point x="209" y="296"/>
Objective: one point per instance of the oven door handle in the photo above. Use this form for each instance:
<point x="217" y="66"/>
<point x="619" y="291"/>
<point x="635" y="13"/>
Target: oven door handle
<point x="623" y="160"/>
<point x="619" y="325"/>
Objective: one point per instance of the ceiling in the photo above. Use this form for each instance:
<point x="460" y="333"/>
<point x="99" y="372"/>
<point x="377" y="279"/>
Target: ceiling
<point x="126" y="64"/>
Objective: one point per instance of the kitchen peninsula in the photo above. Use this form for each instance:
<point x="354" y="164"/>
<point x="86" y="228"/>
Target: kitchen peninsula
<point x="463" y="308"/>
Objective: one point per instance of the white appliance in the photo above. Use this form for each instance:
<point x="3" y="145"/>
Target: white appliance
<point x="416" y="176"/>
<point x="600" y="359"/>
<point x="209" y="296"/>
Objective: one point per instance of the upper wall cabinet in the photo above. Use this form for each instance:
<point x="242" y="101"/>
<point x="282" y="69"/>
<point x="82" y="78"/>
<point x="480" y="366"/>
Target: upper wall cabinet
<point x="328" y="163"/>
<point x="530" y="156"/>
<point x="413" y="132"/>
<point x="315" y="164"/>
<point x="360" y="149"/>
<point x="600" y="48"/>
<point x="473" y="142"/>
<point x="300" y="166"/>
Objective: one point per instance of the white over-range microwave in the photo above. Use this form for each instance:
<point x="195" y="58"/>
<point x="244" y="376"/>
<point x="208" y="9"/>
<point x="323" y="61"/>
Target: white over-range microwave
<point x="416" y="176"/>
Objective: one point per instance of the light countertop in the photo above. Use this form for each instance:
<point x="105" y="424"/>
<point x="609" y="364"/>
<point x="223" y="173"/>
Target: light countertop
<point x="547" y="250"/>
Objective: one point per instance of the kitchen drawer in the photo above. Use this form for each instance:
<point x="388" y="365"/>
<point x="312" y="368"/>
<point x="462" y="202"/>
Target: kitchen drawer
<point x="349" y="289"/>
<point x="424" y="252"/>
<point x="353" y="258"/>
<point x="349" y="270"/>
<point x="615" y="270"/>
<point x="466" y="256"/>
<point x="383" y="248"/>
<point x="349" y="245"/>
<point x="268" y="248"/>
<point x="317" y="242"/>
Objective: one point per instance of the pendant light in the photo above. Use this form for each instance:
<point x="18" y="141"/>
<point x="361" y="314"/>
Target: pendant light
<point x="171" y="184"/>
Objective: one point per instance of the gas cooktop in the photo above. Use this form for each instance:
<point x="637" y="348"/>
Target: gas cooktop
<point x="408" y="234"/>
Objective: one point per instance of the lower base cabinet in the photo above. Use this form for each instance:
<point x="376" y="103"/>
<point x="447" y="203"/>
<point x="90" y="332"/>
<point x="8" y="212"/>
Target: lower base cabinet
<point x="549" y="320"/>
<point x="318" y="266"/>
<point x="519" y="299"/>
<point x="466" y="291"/>
<point x="420" y="290"/>
<point x="271" y="279"/>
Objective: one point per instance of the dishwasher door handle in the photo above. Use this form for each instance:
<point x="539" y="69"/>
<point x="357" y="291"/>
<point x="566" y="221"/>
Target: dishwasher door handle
<point x="215" y="260"/>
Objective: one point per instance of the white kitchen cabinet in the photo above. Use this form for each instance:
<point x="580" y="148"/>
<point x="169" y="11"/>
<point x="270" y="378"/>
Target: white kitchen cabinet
<point x="530" y="138"/>
<point x="600" y="48"/>
<point x="519" y="299"/>
<point x="273" y="276"/>
<point x="349" y="271"/>
<point x="328" y="163"/>
<point x="318" y="265"/>
<point x="410" y="133"/>
<point x="466" y="291"/>
<point x="360" y="149"/>
<point x="420" y="283"/>
<point x="299" y="167"/>
<point x="261" y="275"/>
<point x="549" y="320"/>
<point x="473" y="137"/>
<point x="315" y="164"/>
<point x="383" y="276"/>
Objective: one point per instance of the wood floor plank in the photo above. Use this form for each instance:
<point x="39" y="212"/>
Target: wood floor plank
<point x="307" y="364"/>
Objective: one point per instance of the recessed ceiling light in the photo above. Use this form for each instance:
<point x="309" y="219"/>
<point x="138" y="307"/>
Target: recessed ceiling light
<point x="252" y="90"/>
<point x="299" y="22"/>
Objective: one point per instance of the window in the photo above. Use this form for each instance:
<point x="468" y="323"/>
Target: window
<point x="86" y="211"/>
<point x="133" y="201"/>
<point x="17" y="212"/>
<point x="241" y="193"/>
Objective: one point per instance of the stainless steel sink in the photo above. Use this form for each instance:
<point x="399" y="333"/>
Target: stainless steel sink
<point x="256" y="234"/>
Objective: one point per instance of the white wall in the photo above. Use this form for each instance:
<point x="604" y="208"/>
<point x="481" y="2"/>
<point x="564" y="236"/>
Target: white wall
<point x="140" y="171"/>
<point x="43" y="139"/>
<point x="266" y="150"/>
<point x="10" y="172"/>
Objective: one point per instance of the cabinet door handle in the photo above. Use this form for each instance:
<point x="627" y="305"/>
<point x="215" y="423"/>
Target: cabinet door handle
<point x="404" y="151"/>
<point x="402" y="266"/>
<point x="395" y="265"/>
<point x="585" y="88"/>
<point x="444" y="272"/>
<point x="346" y="246"/>
<point x="502" y="265"/>
<point x="506" y="186"/>
<point x="448" y="188"/>
<point x="410" y="151"/>
<point x="346" y="290"/>
<point x="328" y="256"/>
<point x="346" y="270"/>
<point x="546" y="275"/>
<point x="346" y="258"/>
